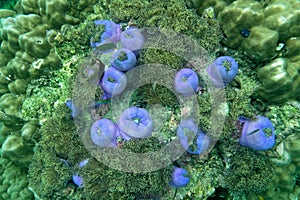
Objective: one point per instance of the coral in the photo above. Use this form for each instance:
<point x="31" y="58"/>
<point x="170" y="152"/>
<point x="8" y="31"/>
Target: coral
<point x="53" y="13"/>
<point x="204" y="7"/>
<point x="49" y="172"/>
<point x="172" y="15"/>
<point x="280" y="78"/>
<point x="281" y="186"/>
<point x="19" y="147"/>
<point x="14" y="181"/>
<point x="248" y="172"/>
<point x="268" y="25"/>
<point x="7" y="4"/>
<point x="27" y="57"/>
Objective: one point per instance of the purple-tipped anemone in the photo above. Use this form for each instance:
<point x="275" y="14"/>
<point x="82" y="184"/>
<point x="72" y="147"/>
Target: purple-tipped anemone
<point x="103" y="133"/>
<point x="187" y="132"/>
<point x="110" y="35"/>
<point x="123" y="60"/>
<point x="222" y="71"/>
<point x="132" y="39"/>
<point x="258" y="134"/>
<point x="75" y="111"/>
<point x="77" y="180"/>
<point x="186" y="82"/>
<point x="113" y="82"/>
<point x="179" y="178"/>
<point x="83" y="163"/>
<point x="136" y="122"/>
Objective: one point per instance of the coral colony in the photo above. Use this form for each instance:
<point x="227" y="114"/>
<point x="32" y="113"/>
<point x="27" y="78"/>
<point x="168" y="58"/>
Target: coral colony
<point x="255" y="48"/>
<point x="136" y="122"/>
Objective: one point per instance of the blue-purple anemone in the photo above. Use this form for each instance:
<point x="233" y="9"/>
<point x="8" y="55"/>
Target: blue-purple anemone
<point x="258" y="134"/>
<point x="179" y="178"/>
<point x="192" y="139"/>
<point x="222" y="71"/>
<point x="123" y="59"/>
<point x="111" y="34"/>
<point x="132" y="39"/>
<point x="103" y="133"/>
<point x="186" y="82"/>
<point x="113" y="82"/>
<point x="136" y="122"/>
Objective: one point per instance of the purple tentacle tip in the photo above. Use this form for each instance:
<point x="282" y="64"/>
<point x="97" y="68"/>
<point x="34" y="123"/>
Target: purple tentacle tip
<point x="179" y="178"/>
<point x="78" y="180"/>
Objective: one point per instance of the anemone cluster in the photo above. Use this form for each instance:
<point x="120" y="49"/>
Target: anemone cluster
<point x="43" y="45"/>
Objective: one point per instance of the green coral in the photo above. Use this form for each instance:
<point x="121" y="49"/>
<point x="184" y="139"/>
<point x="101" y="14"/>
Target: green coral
<point x="11" y="174"/>
<point x="169" y="15"/>
<point x="268" y="25"/>
<point x="8" y="4"/>
<point x="248" y="172"/>
<point x="280" y="78"/>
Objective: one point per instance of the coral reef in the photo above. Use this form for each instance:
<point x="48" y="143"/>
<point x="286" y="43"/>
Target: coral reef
<point x="45" y="43"/>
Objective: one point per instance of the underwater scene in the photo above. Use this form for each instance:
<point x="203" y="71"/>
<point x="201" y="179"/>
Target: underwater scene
<point x="150" y="99"/>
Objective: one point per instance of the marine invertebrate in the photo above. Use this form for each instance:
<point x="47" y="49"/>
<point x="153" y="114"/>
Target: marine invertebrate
<point x="113" y="82"/>
<point x="110" y="35"/>
<point x="186" y="82"/>
<point x="78" y="180"/>
<point x="179" y="178"/>
<point x="222" y="71"/>
<point x="258" y="134"/>
<point x="132" y="39"/>
<point x="103" y="133"/>
<point x="187" y="132"/>
<point x="123" y="59"/>
<point x="136" y="122"/>
<point x="75" y="111"/>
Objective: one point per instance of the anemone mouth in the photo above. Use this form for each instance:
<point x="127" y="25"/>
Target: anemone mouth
<point x="128" y="36"/>
<point x="111" y="79"/>
<point x="227" y="65"/>
<point x="122" y="56"/>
